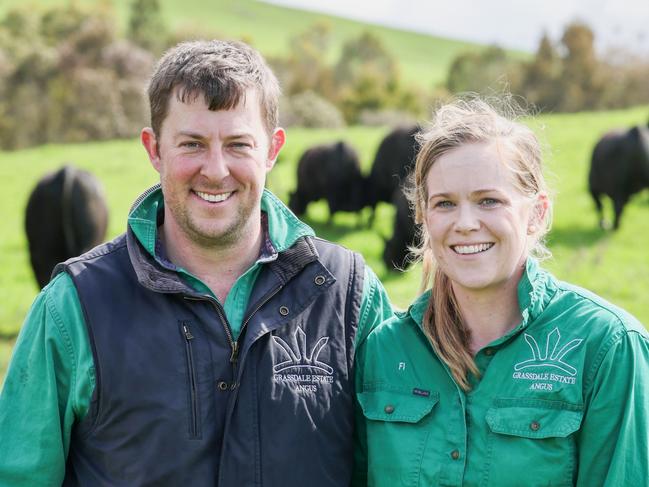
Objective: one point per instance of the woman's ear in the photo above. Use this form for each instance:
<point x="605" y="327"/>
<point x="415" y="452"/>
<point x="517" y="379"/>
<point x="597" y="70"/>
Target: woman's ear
<point x="538" y="214"/>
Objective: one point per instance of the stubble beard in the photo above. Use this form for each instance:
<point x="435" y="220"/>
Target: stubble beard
<point x="201" y="234"/>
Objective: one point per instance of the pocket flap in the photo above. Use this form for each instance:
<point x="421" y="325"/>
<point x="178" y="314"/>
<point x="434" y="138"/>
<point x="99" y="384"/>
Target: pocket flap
<point x="534" y="418"/>
<point x="408" y="405"/>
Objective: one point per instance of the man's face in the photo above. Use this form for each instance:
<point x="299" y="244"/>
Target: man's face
<point x="213" y="167"/>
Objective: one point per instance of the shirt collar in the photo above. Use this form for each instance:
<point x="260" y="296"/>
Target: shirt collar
<point x="535" y="289"/>
<point x="280" y="227"/>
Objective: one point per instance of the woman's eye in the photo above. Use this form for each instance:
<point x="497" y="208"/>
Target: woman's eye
<point x="445" y="204"/>
<point x="489" y="202"/>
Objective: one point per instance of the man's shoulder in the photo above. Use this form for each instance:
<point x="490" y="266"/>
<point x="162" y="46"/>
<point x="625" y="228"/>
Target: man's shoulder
<point x="324" y="246"/>
<point x="93" y="256"/>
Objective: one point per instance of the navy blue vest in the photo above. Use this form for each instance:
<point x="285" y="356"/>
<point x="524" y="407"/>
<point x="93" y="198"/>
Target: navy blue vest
<point x="177" y="402"/>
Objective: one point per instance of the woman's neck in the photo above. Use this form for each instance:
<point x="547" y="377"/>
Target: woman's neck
<point x="489" y="314"/>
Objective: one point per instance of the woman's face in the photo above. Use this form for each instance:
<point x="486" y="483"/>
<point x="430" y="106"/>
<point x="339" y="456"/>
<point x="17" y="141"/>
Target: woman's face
<point x="477" y="219"/>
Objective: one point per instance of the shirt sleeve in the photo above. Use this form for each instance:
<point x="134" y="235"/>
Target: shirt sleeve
<point x="48" y="386"/>
<point x="375" y="306"/>
<point x="613" y="441"/>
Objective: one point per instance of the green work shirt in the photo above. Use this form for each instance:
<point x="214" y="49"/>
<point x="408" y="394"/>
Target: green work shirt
<point x="51" y="376"/>
<point x="562" y="400"/>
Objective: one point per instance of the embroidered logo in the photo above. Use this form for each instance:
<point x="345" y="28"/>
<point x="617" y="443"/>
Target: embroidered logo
<point x="298" y="357"/>
<point x="302" y="368"/>
<point x="552" y="356"/>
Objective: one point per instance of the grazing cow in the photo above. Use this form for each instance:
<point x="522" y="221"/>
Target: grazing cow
<point x="619" y="168"/>
<point x="66" y="215"/>
<point x="394" y="160"/>
<point x="332" y="172"/>
<point x="404" y="234"/>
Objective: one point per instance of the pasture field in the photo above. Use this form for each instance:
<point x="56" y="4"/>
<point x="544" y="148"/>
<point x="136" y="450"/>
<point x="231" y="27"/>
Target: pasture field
<point x="615" y="266"/>
<point x="423" y="59"/>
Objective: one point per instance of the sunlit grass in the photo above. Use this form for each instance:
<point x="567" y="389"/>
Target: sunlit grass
<point x="613" y="265"/>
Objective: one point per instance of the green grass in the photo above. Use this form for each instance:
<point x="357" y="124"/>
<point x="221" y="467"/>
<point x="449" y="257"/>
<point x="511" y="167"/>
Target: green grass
<point x="613" y="265"/>
<point x="423" y="59"/>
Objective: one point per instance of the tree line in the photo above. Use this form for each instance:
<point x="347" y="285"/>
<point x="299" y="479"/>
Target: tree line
<point x="67" y="76"/>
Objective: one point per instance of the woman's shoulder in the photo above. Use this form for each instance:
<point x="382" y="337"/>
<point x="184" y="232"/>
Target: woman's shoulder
<point x="592" y="311"/>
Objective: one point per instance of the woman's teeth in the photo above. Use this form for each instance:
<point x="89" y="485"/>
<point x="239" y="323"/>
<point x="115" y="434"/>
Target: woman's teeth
<point x="472" y="249"/>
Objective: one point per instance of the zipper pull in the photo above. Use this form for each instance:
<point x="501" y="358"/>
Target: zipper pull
<point x="235" y="352"/>
<point x="188" y="334"/>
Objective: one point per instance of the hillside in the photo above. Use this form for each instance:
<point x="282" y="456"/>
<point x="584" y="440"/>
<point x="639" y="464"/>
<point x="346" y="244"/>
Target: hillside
<point x="423" y="59"/>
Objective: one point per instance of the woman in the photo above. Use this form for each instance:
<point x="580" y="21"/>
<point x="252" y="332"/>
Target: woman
<point x="500" y="375"/>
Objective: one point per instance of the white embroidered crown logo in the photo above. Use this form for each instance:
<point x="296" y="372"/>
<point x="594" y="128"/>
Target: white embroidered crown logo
<point x="298" y="358"/>
<point x="552" y="356"/>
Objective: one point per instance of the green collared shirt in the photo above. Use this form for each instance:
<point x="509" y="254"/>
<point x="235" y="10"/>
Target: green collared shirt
<point x="51" y="377"/>
<point x="563" y="399"/>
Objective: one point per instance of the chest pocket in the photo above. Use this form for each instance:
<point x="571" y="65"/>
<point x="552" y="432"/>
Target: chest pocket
<point x="532" y="439"/>
<point x="398" y="422"/>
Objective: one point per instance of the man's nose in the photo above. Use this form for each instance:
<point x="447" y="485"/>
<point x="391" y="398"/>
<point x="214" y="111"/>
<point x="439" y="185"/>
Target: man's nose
<point x="215" y="165"/>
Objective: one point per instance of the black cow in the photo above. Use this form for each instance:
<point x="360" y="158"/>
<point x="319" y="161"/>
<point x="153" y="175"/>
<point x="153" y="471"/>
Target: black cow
<point x="332" y="172"/>
<point x="393" y="162"/>
<point x="619" y="168"/>
<point x="404" y="234"/>
<point x="66" y="215"/>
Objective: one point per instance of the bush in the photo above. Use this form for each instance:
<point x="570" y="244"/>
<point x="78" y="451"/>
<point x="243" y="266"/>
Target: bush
<point x="387" y="117"/>
<point x="309" y="110"/>
<point x="65" y="78"/>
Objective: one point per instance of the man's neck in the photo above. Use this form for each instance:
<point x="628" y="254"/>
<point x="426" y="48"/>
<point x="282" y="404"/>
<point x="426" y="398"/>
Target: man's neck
<point x="218" y="266"/>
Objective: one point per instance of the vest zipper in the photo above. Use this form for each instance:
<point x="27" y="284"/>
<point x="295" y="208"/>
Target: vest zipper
<point x="194" y="429"/>
<point x="234" y="346"/>
<point x="263" y="301"/>
<point x="235" y="377"/>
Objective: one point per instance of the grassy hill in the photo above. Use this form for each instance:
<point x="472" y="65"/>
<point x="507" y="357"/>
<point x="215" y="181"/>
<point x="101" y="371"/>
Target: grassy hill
<point x="423" y="59"/>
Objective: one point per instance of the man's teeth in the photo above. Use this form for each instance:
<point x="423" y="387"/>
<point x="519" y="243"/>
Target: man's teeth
<point x="472" y="249"/>
<point x="213" y="198"/>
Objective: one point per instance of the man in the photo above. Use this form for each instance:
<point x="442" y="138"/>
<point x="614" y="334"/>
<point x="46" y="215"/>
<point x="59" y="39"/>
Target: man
<point x="213" y="343"/>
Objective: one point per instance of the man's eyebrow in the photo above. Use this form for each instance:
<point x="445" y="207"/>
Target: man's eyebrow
<point x="193" y="135"/>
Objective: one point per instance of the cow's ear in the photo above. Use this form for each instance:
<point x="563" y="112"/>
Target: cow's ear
<point x="277" y="141"/>
<point x="150" y="143"/>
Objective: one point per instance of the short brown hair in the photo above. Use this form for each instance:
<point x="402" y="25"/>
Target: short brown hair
<point x="221" y="71"/>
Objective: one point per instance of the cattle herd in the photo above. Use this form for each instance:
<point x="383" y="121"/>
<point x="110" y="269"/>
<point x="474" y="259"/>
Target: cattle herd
<point x="67" y="214"/>
<point x="333" y="172"/>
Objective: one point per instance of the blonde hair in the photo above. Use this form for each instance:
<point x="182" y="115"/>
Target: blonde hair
<point x="466" y="121"/>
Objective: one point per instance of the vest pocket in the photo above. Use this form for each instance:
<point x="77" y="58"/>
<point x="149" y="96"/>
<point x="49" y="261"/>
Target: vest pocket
<point x="532" y="439"/>
<point x="398" y="426"/>
<point x="194" y="410"/>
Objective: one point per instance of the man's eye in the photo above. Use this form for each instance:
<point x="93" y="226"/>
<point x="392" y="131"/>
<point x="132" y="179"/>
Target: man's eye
<point x="241" y="145"/>
<point x="190" y="145"/>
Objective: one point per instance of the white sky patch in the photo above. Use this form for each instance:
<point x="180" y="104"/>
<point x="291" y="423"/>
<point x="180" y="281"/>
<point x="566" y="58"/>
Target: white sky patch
<point x="516" y="24"/>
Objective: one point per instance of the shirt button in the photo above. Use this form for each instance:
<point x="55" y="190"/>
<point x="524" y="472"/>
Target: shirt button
<point x="455" y="454"/>
<point x="489" y="352"/>
<point x="319" y="280"/>
<point x="283" y="310"/>
<point x="222" y="385"/>
<point x="535" y="425"/>
<point x="389" y="409"/>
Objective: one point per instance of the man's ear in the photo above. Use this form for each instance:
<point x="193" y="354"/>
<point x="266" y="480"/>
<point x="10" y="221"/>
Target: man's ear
<point x="150" y="143"/>
<point x="277" y="141"/>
